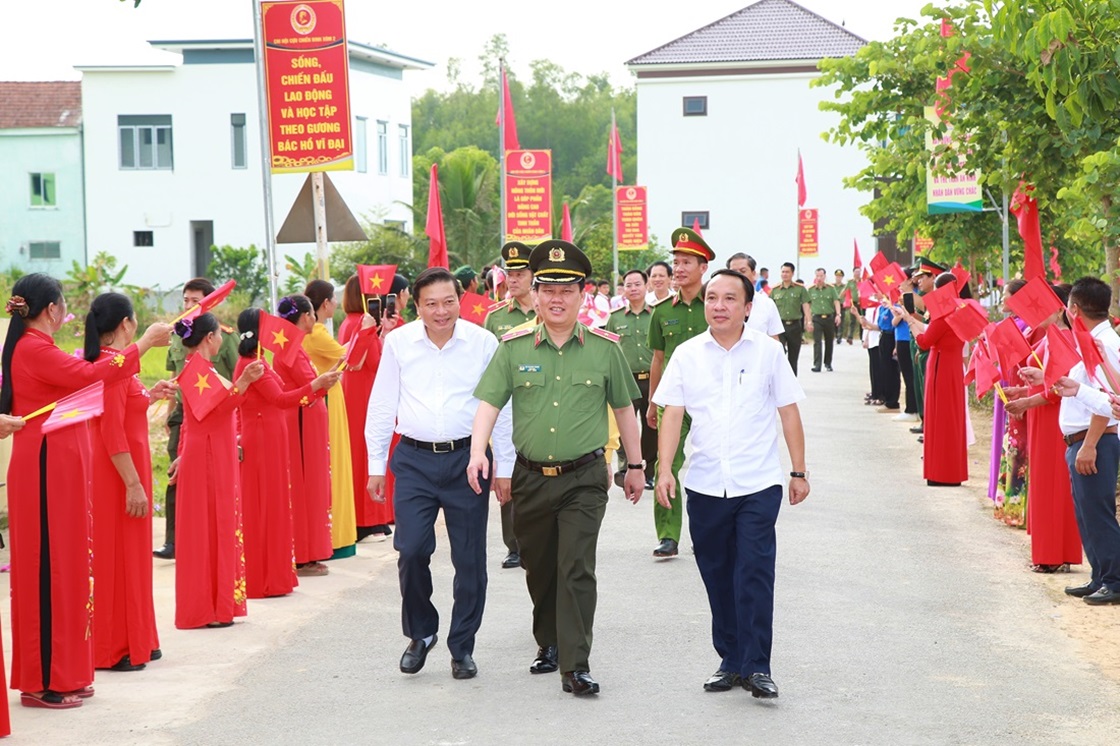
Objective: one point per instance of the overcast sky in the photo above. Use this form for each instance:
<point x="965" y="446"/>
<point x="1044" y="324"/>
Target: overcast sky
<point x="45" y="39"/>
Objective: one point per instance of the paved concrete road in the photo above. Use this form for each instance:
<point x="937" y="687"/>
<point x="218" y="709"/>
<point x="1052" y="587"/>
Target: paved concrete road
<point x="904" y="615"/>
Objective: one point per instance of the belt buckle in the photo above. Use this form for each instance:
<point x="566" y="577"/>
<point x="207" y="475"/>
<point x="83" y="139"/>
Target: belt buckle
<point x="550" y="471"/>
<point x="443" y="447"/>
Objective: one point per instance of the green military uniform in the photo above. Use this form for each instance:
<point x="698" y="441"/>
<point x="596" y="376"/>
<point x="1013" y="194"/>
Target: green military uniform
<point x="674" y="322"/>
<point x="822" y="306"/>
<point x="790" y="303"/>
<point x="506" y="316"/>
<point x="225" y="362"/>
<point x="849" y="324"/>
<point x="560" y="397"/>
<point x="633" y="337"/>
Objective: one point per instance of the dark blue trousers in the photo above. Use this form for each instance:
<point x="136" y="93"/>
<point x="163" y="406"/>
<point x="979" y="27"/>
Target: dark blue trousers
<point x="426" y="482"/>
<point x="735" y="546"/>
<point x="1094" y="506"/>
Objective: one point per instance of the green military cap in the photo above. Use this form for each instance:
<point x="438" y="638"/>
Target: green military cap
<point x="929" y="267"/>
<point x="839" y="273"/>
<point x="464" y="275"/>
<point x="515" y="255"/>
<point x="688" y="241"/>
<point x="558" y="263"/>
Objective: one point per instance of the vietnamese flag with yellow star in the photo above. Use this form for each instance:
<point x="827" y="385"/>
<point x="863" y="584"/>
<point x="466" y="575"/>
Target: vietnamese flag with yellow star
<point x="210" y="302"/>
<point x="473" y="307"/>
<point x="280" y="337"/>
<point x="888" y="279"/>
<point x="376" y="279"/>
<point x="201" y="386"/>
<point x="78" y="407"/>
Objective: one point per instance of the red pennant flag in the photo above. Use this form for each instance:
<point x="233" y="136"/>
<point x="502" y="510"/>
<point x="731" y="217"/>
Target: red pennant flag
<point x="800" y="181"/>
<point x="986" y="374"/>
<point x="1025" y="209"/>
<point x="846" y="299"/>
<point x="856" y="260"/>
<point x="279" y="336"/>
<point x="1034" y="302"/>
<point x="1055" y="268"/>
<point x="878" y="262"/>
<point x="941" y="301"/>
<point x="473" y="307"/>
<point x="866" y="290"/>
<point x="506" y="112"/>
<point x="614" y="153"/>
<point x="210" y="302"/>
<point x="78" y="407"/>
<point x="696" y="226"/>
<point x="376" y="279"/>
<point x="437" y="237"/>
<point x="566" y="225"/>
<point x="1009" y="345"/>
<point x="866" y="277"/>
<point x="1061" y="355"/>
<point x="962" y="275"/>
<point x="201" y="386"/>
<point x="968" y="320"/>
<point x="888" y="280"/>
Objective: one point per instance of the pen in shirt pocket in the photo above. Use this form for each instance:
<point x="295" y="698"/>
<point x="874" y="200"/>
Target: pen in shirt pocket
<point x="741" y="372"/>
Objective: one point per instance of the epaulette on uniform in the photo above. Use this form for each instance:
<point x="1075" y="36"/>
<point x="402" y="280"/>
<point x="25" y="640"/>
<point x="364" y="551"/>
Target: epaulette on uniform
<point x="517" y="333"/>
<point x="670" y="296"/>
<point x="499" y="304"/>
<point x="226" y="329"/>
<point x="604" y="334"/>
<point x="620" y="308"/>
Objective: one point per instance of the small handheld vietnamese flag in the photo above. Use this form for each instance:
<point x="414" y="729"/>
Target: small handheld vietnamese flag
<point x="210" y="302"/>
<point x="279" y="336"/>
<point x="962" y="275"/>
<point x="473" y="307"/>
<point x="1009" y="345"/>
<point x="78" y="407"/>
<point x="201" y="386"/>
<point x="986" y="374"/>
<point x="376" y="279"/>
<point x="888" y="279"/>
<point x="1034" y="302"/>
<point x="941" y="301"/>
<point x="878" y="262"/>
<point x="866" y="290"/>
<point x="1061" y="355"/>
<point x="968" y="320"/>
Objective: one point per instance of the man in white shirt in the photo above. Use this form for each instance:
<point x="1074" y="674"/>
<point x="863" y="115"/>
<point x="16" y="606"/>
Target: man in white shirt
<point x="764" y="314"/>
<point x="425" y="384"/>
<point x="732" y="380"/>
<point x="659" y="277"/>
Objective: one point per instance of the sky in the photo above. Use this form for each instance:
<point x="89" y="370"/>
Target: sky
<point x="589" y="37"/>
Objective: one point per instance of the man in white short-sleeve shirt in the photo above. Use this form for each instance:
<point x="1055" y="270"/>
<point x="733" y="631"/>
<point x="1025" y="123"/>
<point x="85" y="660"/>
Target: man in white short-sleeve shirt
<point x="764" y="313"/>
<point x="732" y="381"/>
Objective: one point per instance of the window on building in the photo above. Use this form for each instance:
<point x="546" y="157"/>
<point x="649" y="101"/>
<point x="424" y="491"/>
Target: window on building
<point x="145" y="141"/>
<point x="143" y="238"/>
<point x="696" y="106"/>
<point x="688" y="219"/>
<point x="42" y="190"/>
<point x="360" y="149"/>
<point x="238" y="154"/>
<point x="397" y="225"/>
<point x="44" y="250"/>
<point x="382" y="147"/>
<point x="406" y="151"/>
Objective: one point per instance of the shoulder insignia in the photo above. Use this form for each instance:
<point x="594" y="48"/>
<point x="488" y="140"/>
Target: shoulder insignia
<point x="620" y="308"/>
<point x="226" y="329"/>
<point x="499" y="304"/>
<point x="517" y="333"/>
<point x="659" y="301"/>
<point x="604" y="334"/>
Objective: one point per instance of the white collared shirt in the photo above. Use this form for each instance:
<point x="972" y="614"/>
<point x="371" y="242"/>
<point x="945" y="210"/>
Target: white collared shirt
<point x="733" y="398"/>
<point x="764" y="316"/>
<point x="428" y="392"/>
<point x="1075" y="412"/>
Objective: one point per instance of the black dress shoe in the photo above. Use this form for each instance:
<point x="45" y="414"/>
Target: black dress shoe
<point x="667" y="548"/>
<point x="545" y="662"/>
<point x="578" y="683"/>
<point x="513" y="559"/>
<point x="1102" y="597"/>
<point x="760" y="685"/>
<point x="125" y="664"/>
<point x="157" y="654"/>
<point x="917" y="430"/>
<point x="416" y="654"/>
<point x="649" y="484"/>
<point x="167" y="551"/>
<point x="816" y="370"/>
<point x="722" y="681"/>
<point x="1080" y="591"/>
<point x="464" y="668"/>
<point x="828" y="368"/>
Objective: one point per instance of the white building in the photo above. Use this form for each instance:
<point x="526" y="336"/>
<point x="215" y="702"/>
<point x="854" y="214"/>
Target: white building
<point x="173" y="165"/>
<point x="722" y="112"/>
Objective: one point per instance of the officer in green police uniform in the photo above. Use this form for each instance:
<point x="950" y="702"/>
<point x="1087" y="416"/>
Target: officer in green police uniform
<point x="675" y="320"/>
<point x="631" y="324"/>
<point x="824" y="304"/>
<point x="792" y="301"/>
<point x="561" y="376"/>
<point x="224" y="362"/>
<point x="503" y="317"/>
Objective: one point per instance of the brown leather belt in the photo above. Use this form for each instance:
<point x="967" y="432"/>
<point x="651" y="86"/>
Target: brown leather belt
<point x="642" y="376"/>
<point x="1080" y="436"/>
<point x="445" y="447"/>
<point x="555" y="470"/>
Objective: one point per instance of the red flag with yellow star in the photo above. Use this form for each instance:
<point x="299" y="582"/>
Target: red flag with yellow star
<point x="210" y="302"/>
<point x="473" y="307"/>
<point x="201" y="386"/>
<point x="376" y="279"/>
<point x="888" y="279"/>
<point x="78" y="407"/>
<point x="280" y="337"/>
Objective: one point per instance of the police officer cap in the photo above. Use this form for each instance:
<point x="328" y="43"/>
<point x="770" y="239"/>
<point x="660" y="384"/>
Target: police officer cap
<point x="515" y="255"/>
<point x="688" y="241"/>
<point x="558" y="263"/>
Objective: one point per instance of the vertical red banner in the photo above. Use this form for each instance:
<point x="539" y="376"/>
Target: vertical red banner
<point x="632" y="218"/>
<point x="808" y="239"/>
<point x="306" y="71"/>
<point x="528" y="195"/>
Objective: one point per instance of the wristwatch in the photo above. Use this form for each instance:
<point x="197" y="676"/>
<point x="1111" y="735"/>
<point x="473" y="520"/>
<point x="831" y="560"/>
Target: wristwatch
<point x="640" y="465"/>
<point x="799" y="474"/>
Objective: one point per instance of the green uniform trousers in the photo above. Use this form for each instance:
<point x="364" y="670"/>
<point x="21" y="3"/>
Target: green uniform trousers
<point x="920" y="357"/>
<point x="557" y="527"/>
<point x="508" y="537"/>
<point x="668" y="521"/>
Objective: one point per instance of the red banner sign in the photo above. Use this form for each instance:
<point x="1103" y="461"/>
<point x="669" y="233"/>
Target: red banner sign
<point x="306" y="71"/>
<point x="632" y="218"/>
<point x="528" y="195"/>
<point x="808" y="243"/>
<point x="921" y="244"/>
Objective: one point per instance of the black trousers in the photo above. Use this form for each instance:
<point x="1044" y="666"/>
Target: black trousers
<point x="824" y="329"/>
<point x="425" y="483"/>
<point x="906" y="365"/>
<point x="649" y="434"/>
<point x="174" y="422"/>
<point x="791" y="338"/>
<point x="891" y="385"/>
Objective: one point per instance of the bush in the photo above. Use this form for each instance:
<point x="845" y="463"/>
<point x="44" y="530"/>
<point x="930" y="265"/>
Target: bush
<point x="249" y="266"/>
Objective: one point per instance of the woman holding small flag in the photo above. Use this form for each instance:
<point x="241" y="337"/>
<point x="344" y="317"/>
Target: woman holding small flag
<point x="209" y="550"/>
<point x="49" y="496"/>
<point x="266" y="497"/>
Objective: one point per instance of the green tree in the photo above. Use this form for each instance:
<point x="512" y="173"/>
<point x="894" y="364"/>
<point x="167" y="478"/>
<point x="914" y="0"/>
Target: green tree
<point x="387" y="244"/>
<point x="246" y="265"/>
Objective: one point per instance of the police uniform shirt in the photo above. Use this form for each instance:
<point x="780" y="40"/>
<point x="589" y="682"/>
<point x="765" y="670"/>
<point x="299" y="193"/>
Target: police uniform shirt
<point x="789" y="301"/>
<point x="633" y="335"/>
<point x="822" y="299"/>
<point x="674" y="322"/>
<point x="507" y="316"/>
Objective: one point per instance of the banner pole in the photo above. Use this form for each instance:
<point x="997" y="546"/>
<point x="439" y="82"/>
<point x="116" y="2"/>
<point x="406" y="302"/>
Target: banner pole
<point x="614" y="201"/>
<point x="266" y="157"/>
<point x="501" y="153"/>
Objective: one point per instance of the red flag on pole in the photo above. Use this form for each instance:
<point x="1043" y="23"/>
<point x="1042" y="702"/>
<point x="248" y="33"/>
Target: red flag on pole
<point x="614" y="154"/>
<point x="941" y="301"/>
<point x="279" y="336"/>
<point x="962" y="275"/>
<point x="986" y="373"/>
<point x="201" y="386"/>
<point x="866" y="290"/>
<point x="511" y="141"/>
<point x="968" y="320"/>
<point x="888" y="279"/>
<point x="1061" y="355"/>
<point x="878" y="262"/>
<point x="1009" y="345"/>
<point x="801" y="195"/>
<point x="1034" y="302"/>
<point x="856" y="260"/>
<point x="473" y="307"/>
<point x="78" y="407"/>
<point x="1055" y="268"/>
<point x="437" y="247"/>
<point x="566" y="225"/>
<point x="696" y="226"/>
<point x="210" y="302"/>
<point x="1025" y="209"/>
<point x="376" y="279"/>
